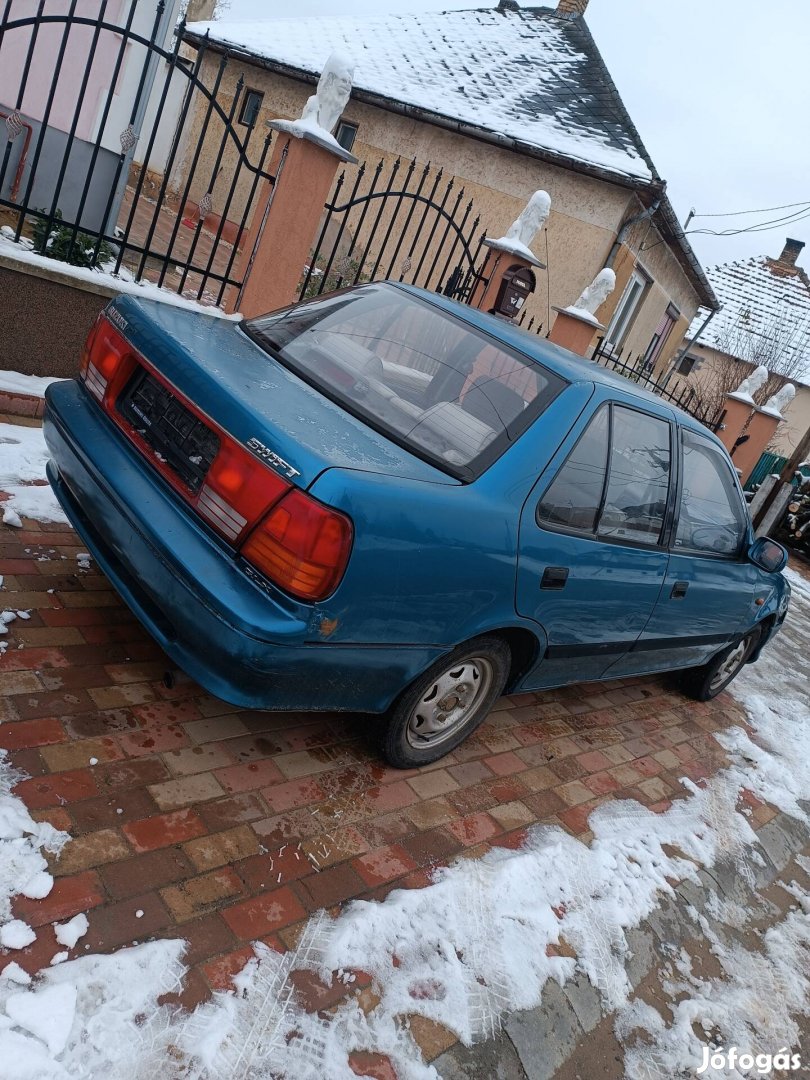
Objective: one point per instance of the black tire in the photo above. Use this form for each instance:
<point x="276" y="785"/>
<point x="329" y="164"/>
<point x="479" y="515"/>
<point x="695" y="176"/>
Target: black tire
<point x="462" y="687"/>
<point x="706" y="682"/>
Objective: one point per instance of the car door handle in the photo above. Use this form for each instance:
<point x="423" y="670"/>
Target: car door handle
<point x="679" y="590"/>
<point x="554" y="577"/>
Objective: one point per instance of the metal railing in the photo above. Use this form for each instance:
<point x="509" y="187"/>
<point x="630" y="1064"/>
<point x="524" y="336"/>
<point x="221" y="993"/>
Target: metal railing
<point x="639" y="371"/>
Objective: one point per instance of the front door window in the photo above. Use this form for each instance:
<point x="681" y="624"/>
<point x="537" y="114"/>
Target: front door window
<point x="712" y="518"/>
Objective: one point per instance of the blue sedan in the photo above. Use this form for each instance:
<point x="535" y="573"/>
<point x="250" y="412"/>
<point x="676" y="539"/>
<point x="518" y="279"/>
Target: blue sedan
<point x="383" y="501"/>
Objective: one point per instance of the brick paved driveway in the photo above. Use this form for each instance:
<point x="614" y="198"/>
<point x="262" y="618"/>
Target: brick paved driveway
<point x="192" y="818"/>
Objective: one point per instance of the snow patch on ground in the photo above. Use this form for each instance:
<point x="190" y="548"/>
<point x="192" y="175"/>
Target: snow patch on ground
<point x="23" y="457"/>
<point x="753" y="1006"/>
<point x="94" y="1017"/>
<point x="69" y="933"/>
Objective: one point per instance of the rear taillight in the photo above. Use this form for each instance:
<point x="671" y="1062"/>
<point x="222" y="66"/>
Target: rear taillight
<point x="237" y="490"/>
<point x="302" y="546"/>
<point x="105" y="354"/>
<point x="299" y="544"/>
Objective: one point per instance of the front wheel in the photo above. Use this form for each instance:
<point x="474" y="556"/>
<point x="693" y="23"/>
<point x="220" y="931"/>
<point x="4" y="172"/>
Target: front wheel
<point x="706" y="682"/>
<point x="446" y="703"/>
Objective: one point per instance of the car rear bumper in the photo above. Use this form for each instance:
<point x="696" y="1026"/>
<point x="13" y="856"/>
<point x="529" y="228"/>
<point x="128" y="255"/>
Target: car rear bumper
<point x="190" y="594"/>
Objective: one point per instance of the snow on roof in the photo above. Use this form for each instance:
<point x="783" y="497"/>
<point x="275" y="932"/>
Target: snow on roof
<point x="766" y="311"/>
<point x="528" y="75"/>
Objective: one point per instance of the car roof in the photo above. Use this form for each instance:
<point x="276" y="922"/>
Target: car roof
<point x="572" y="367"/>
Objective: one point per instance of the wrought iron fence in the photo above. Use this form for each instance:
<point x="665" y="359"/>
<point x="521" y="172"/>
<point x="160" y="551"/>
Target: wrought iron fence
<point x="137" y="157"/>
<point x="639" y="372"/>
<point x="407" y="225"/>
<point x="530" y="325"/>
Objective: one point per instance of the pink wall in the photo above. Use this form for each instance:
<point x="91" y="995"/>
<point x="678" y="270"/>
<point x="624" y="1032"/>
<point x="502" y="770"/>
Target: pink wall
<point x="14" y="51"/>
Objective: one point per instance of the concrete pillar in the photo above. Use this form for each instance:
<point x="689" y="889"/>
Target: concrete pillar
<point x="286" y="220"/>
<point x="500" y="258"/>
<point x="738" y="410"/>
<point x="574" y="331"/>
<point x="760" y="431"/>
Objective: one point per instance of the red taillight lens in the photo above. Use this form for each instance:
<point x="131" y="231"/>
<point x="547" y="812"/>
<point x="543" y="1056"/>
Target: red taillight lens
<point x="105" y="354"/>
<point x="238" y="489"/>
<point x="302" y="546"/>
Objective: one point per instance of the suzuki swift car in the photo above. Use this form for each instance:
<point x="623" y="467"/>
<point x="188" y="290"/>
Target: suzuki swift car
<point x="382" y="501"/>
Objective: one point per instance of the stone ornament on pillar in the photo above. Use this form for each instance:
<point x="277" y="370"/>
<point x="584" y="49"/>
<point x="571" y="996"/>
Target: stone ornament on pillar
<point x="777" y="404"/>
<point x="524" y="228"/>
<point x="515" y="244"/>
<point x="575" y="325"/>
<point x="324" y="108"/>
<point x="593" y="297"/>
<point x="749" y="386"/>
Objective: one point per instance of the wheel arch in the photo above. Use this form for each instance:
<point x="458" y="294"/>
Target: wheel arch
<point x="524" y="647"/>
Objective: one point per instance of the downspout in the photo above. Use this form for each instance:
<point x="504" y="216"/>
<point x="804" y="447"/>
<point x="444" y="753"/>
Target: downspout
<point x="626" y="227"/>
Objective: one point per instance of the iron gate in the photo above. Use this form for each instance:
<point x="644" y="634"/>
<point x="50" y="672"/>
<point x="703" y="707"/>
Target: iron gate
<point x="88" y="174"/>
<point x="415" y="227"/>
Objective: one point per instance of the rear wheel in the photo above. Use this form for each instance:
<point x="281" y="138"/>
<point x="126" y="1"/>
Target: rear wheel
<point x="706" y="682"/>
<point x="445" y="704"/>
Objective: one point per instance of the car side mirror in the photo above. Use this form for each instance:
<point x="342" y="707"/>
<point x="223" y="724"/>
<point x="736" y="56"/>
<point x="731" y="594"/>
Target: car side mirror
<point x="768" y="555"/>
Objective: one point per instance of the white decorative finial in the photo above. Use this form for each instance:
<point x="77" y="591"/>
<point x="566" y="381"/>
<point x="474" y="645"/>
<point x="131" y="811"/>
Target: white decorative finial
<point x="325" y="106"/>
<point x="524" y="228"/>
<point x="597" y="292"/>
<point x="322" y="110"/>
<point x="748" y="387"/>
<point x="777" y="404"/>
<point x="531" y="219"/>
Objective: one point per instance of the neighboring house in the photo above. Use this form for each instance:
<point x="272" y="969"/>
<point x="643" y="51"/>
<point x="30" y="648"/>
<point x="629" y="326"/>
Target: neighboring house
<point x="765" y="320"/>
<point x="77" y="106"/>
<point x="507" y="100"/>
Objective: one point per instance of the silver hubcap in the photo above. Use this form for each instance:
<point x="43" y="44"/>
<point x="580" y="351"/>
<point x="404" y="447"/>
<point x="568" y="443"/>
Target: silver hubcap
<point x="730" y="666"/>
<point x="449" y="702"/>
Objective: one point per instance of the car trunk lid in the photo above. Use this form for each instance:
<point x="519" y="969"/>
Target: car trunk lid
<point x="288" y="424"/>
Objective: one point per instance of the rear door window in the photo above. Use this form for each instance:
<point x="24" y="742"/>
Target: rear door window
<point x="638" y="481"/>
<point x="712" y="518"/>
<point x="615" y="483"/>
<point x="574" y="498"/>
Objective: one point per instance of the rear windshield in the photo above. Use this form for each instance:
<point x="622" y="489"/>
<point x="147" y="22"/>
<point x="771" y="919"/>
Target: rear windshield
<point x="427" y="380"/>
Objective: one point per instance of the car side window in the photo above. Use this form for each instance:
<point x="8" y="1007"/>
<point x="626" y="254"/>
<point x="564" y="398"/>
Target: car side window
<point x="638" y="480"/>
<point x="573" y="499"/>
<point x="712" y="517"/>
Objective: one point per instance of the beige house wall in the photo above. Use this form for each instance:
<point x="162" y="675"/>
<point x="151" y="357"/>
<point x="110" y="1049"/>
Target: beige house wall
<point x="586" y="213"/>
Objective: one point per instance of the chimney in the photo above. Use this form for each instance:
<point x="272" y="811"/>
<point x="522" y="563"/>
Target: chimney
<point x="571" y="8"/>
<point x="790" y="252"/>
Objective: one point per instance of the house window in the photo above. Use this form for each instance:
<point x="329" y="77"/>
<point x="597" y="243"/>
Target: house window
<point x="345" y="134"/>
<point x="659" y="338"/>
<point x="687" y="365"/>
<point x="251" y="103"/>
<point x="627" y="309"/>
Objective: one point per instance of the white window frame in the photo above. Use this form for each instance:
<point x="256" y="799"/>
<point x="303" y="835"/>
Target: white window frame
<point x="634" y="292"/>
